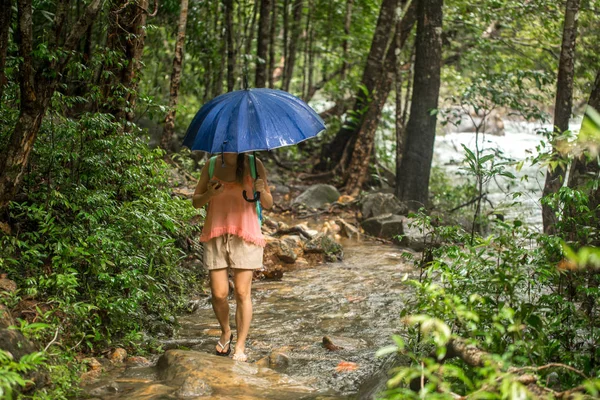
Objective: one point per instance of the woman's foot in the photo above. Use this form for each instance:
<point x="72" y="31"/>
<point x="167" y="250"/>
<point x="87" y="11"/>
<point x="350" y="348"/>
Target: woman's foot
<point x="224" y="344"/>
<point x="242" y="357"/>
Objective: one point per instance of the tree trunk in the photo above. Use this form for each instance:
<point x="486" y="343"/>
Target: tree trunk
<point x="420" y="129"/>
<point x="347" y="25"/>
<point x="5" y="23"/>
<point x="271" y="67"/>
<point x="262" y="44"/>
<point x="229" y="34"/>
<point x="359" y="163"/>
<point x="332" y="153"/>
<point x="399" y="120"/>
<point x="307" y="50"/>
<point x="290" y="62"/>
<point x="169" y="129"/>
<point x="562" y="107"/>
<point x="37" y="88"/>
<point x="218" y="88"/>
<point x="286" y="34"/>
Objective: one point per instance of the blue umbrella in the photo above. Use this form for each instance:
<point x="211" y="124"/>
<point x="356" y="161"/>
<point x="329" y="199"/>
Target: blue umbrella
<point x="252" y="120"/>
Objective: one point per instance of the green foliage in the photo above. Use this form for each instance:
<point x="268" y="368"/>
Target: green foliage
<point x="100" y="235"/>
<point x="12" y="372"/>
<point x="505" y="294"/>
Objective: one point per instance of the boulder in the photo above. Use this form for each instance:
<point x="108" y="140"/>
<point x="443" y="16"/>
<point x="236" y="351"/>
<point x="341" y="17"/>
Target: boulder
<point x="118" y="356"/>
<point x="376" y="204"/>
<point x="285" y="252"/>
<point x="317" y="196"/>
<point x="348" y="230"/>
<point x="322" y="244"/>
<point x="197" y="374"/>
<point x="386" y="226"/>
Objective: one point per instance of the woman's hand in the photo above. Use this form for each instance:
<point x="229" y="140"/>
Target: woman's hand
<point x="214" y="188"/>
<point x="259" y="185"/>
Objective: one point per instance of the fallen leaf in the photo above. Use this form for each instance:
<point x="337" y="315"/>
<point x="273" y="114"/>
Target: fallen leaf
<point x="346" y="366"/>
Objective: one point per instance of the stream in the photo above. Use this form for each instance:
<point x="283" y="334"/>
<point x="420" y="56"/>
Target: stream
<point x="356" y="303"/>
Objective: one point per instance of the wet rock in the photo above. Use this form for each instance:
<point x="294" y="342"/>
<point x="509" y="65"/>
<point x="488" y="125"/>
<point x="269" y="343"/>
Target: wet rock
<point x="329" y="345"/>
<point x="109" y="389"/>
<point x="6" y="285"/>
<point x="317" y="196"/>
<point x="348" y="230"/>
<point x="274" y="273"/>
<point x="193" y="386"/>
<point x="278" y="360"/>
<point x="376" y="204"/>
<point x="136" y="361"/>
<point x="226" y="379"/>
<point x="155" y="391"/>
<point x="386" y="226"/>
<point x="118" y="356"/>
<point x="322" y="244"/>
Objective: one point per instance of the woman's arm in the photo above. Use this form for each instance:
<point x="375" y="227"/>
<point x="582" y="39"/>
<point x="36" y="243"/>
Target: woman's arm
<point x="205" y="189"/>
<point x="261" y="186"/>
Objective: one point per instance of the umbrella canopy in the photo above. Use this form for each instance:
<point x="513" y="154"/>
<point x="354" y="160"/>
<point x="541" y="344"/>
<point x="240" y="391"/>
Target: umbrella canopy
<point x="252" y="120"/>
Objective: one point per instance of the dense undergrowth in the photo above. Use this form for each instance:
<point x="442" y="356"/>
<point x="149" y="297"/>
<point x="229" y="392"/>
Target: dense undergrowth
<point x="96" y="247"/>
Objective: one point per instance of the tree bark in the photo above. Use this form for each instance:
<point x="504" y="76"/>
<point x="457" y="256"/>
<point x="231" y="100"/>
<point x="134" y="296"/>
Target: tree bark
<point x="5" y="23"/>
<point x="563" y="106"/>
<point x="230" y="44"/>
<point x="359" y="162"/>
<point x="332" y="153"/>
<point x="262" y="44"/>
<point x="37" y="88"/>
<point x="420" y="129"/>
<point x="169" y="129"/>
<point x="218" y="88"/>
<point x="271" y="66"/>
<point x="290" y="62"/>
<point x="347" y="25"/>
<point x="286" y="34"/>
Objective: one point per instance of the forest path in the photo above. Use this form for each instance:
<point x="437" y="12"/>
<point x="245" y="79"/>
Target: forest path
<point x="356" y="303"/>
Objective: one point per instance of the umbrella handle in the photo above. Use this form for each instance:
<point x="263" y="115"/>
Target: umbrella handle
<point x="252" y="200"/>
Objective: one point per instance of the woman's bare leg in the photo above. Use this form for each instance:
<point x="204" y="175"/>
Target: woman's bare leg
<point x="242" y="279"/>
<point x="219" y="287"/>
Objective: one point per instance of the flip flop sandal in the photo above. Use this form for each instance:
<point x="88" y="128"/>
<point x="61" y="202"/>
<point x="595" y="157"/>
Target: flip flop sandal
<point x="224" y="353"/>
<point x="240" y="357"/>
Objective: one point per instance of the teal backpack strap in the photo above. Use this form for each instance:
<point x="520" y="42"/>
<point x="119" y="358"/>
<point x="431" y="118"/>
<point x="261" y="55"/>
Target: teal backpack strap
<point x="211" y="166"/>
<point x="254" y="176"/>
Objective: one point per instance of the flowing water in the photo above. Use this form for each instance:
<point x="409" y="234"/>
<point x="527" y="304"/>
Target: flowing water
<point x="356" y="303"/>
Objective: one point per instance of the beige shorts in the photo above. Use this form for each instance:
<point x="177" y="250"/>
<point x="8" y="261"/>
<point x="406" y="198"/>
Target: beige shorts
<point x="232" y="251"/>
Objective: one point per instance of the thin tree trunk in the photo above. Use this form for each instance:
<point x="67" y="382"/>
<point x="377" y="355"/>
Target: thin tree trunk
<point x="311" y="63"/>
<point x="563" y="106"/>
<point x="347" y="25"/>
<point x="37" y="88"/>
<point x="218" y="89"/>
<point x="230" y="44"/>
<point x="169" y="129"/>
<point x="286" y="34"/>
<point x="399" y="122"/>
<point x="332" y="153"/>
<point x="307" y="44"/>
<point x="420" y="129"/>
<point x="262" y="43"/>
<point x="271" y="65"/>
<point x="5" y="23"/>
<point x="361" y="154"/>
<point x="290" y="62"/>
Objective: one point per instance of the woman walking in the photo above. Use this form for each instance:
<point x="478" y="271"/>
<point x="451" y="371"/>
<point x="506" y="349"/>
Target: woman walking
<point x="232" y="239"/>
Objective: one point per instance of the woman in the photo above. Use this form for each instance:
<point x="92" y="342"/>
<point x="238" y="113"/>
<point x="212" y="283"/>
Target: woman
<point x="232" y="239"/>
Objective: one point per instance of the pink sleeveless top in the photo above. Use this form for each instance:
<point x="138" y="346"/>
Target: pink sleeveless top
<point x="229" y="213"/>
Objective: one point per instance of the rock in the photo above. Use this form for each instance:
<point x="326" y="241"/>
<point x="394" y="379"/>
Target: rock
<point x="317" y="196"/>
<point x="332" y="250"/>
<point x="274" y="273"/>
<point x="118" y="355"/>
<point x="93" y="364"/>
<point x="192" y="370"/>
<point x="193" y="386"/>
<point x="329" y="345"/>
<point x="386" y="226"/>
<point x="376" y="204"/>
<point x="286" y="253"/>
<point x="136" y="361"/>
<point x="6" y="318"/>
<point x="110" y="389"/>
<point x="348" y="230"/>
<point x="278" y="360"/>
<point x="6" y="285"/>
<point x="414" y="236"/>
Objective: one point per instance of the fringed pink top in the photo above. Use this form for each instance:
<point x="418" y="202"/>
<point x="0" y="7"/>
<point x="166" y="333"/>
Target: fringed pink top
<point x="228" y="212"/>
